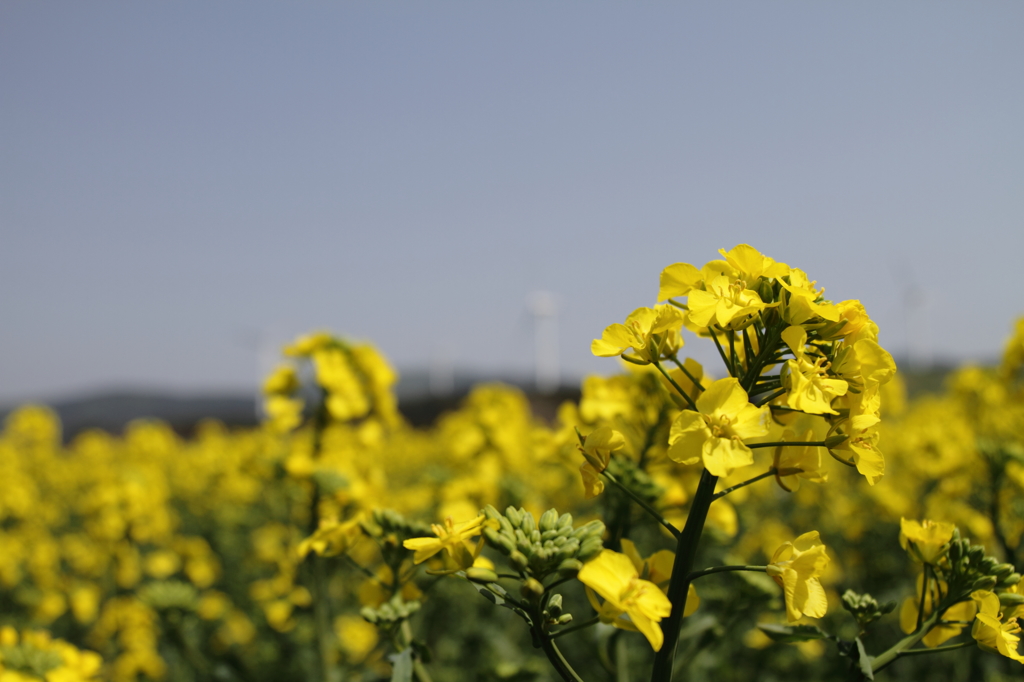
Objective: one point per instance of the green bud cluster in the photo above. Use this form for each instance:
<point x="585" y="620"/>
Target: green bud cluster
<point x="636" y="479"/>
<point x="395" y="610"/>
<point x="970" y="569"/>
<point x="25" y="658"/>
<point x="865" y="608"/>
<point x="390" y="522"/>
<point x="539" y="548"/>
<point x="169" y="594"/>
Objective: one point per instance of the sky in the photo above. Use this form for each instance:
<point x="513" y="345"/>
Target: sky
<point x="185" y="186"/>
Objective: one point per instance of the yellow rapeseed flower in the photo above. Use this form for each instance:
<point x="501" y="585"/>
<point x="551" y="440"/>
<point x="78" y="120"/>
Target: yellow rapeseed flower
<point x="652" y="333"/>
<point x="926" y="539"/>
<point x="716" y="433"/>
<point x="451" y="537"/>
<point x="597" y="449"/>
<point x="615" y="578"/>
<point x="796" y="567"/>
<point x="990" y="632"/>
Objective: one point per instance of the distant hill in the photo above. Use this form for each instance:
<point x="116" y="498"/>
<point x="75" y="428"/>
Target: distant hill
<point x="112" y="410"/>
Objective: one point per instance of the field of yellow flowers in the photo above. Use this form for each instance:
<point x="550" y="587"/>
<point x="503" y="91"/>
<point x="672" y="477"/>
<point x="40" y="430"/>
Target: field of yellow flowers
<point x="787" y="515"/>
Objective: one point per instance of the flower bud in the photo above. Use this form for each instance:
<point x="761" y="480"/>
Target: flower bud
<point x="1011" y="599"/>
<point x="1011" y="580"/>
<point x="548" y="520"/>
<point x="532" y="588"/>
<point x="570" y="566"/>
<point x="554" y="609"/>
<point x="519" y="560"/>
<point x="481" y="575"/>
<point x="986" y="582"/>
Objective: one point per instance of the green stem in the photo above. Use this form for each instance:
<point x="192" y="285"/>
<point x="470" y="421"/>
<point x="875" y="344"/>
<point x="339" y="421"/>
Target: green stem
<point x="363" y="569"/>
<point x="636" y="498"/>
<point x="924" y="593"/>
<point x="732" y="350"/>
<point x="682" y="368"/>
<point x="764" y="401"/>
<point x="723" y="569"/>
<point x="755" y="479"/>
<point x="885" y="659"/>
<point x="575" y="628"/>
<point x="621" y="658"/>
<point x="551" y="650"/>
<point x="948" y="647"/>
<point x="679" y="584"/>
<point x="686" y="396"/>
<point x="721" y="351"/>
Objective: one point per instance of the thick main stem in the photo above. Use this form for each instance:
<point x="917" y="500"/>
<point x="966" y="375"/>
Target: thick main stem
<point x="679" y="585"/>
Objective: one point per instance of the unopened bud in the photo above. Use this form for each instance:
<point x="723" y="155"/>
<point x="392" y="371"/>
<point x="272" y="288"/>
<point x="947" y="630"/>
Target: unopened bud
<point x="985" y="582"/>
<point x="548" y="520"/>
<point x="570" y="566"/>
<point x="1002" y="570"/>
<point x="532" y="588"/>
<point x="481" y="575"/>
<point x="564" y="619"/>
<point x="1011" y="599"/>
<point x="519" y="560"/>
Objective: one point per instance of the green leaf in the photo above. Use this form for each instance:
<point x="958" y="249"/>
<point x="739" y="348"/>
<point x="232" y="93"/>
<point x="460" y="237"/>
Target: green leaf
<point x="401" y="663"/>
<point x="792" y="633"/>
<point x="864" y="660"/>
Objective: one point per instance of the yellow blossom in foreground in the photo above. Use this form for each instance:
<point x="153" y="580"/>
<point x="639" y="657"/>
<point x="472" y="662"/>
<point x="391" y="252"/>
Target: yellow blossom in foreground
<point x="658" y="569"/>
<point x="992" y="634"/>
<point x="925" y="539"/>
<point x="652" y="333"/>
<point x="451" y="537"/>
<point x="716" y="433"/>
<point x="810" y="388"/>
<point x="798" y="461"/>
<point x="751" y="265"/>
<point x="677" y="280"/>
<point x="861" y="450"/>
<point x="615" y="578"/>
<point x="796" y="567"/>
<point x="725" y="300"/>
<point x="597" y="449"/>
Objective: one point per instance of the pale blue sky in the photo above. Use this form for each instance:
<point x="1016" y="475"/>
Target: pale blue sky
<point x="181" y="182"/>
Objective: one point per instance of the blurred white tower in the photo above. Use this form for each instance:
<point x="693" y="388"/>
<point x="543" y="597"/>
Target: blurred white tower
<point x="441" y="379"/>
<point x="543" y="306"/>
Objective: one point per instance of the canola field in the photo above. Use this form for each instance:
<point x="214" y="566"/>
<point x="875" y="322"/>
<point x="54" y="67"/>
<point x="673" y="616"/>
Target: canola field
<point x="786" y="514"/>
